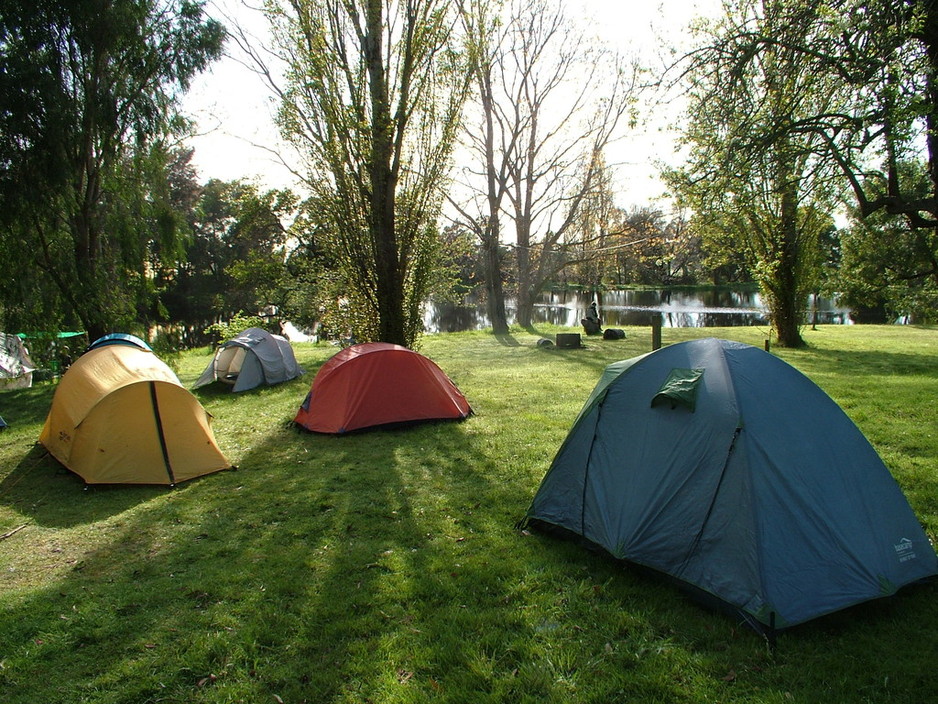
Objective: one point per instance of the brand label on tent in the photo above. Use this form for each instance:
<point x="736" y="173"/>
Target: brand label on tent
<point x="905" y="550"/>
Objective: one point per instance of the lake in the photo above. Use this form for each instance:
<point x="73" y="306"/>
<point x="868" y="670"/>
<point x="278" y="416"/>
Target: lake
<point x="678" y="309"/>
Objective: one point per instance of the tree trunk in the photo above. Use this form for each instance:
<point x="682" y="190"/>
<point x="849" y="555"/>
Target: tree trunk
<point x="494" y="291"/>
<point x="524" y="306"/>
<point x="524" y="314"/>
<point x="786" y="319"/>
<point x="390" y="288"/>
<point x="787" y="301"/>
<point x="91" y="305"/>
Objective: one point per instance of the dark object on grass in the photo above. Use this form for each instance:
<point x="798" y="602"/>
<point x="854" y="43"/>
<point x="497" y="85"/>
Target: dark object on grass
<point x="613" y="334"/>
<point x="544" y="342"/>
<point x="591" y="327"/>
<point x="568" y="340"/>
<point x="3" y="424"/>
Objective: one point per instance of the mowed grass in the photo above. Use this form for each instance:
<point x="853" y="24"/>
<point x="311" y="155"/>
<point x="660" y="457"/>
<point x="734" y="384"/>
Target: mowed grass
<point x="386" y="566"/>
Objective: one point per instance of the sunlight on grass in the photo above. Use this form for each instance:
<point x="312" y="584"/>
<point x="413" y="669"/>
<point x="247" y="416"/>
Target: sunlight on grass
<point x="386" y="566"/>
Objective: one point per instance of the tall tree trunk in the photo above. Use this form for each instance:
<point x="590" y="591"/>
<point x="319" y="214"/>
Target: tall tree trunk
<point x="494" y="290"/>
<point x="524" y="305"/>
<point x="787" y="300"/>
<point x="390" y="289"/>
<point x="91" y="306"/>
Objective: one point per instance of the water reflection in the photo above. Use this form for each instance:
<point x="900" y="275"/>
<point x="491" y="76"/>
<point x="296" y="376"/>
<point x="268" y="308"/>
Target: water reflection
<point x="678" y="309"/>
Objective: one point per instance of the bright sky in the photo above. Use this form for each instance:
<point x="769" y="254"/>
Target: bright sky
<point x="234" y="112"/>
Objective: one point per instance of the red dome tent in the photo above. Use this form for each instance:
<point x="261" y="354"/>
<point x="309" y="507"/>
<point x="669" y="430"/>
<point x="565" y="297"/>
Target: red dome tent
<point x="377" y="383"/>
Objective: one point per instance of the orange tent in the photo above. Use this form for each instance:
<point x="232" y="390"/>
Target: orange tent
<point x="377" y="383"/>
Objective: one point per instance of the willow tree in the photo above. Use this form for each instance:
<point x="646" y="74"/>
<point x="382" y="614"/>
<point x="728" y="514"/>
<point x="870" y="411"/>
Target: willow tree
<point x="372" y="96"/>
<point x="87" y="99"/>
<point x="754" y="182"/>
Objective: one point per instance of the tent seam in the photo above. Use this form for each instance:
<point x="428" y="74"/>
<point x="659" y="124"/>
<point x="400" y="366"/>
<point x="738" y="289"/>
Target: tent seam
<point x="160" y="434"/>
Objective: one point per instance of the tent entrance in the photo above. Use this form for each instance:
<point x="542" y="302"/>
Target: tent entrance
<point x="228" y="364"/>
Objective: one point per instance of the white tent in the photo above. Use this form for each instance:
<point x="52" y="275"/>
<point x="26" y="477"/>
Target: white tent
<point x="16" y="368"/>
<point x="252" y="358"/>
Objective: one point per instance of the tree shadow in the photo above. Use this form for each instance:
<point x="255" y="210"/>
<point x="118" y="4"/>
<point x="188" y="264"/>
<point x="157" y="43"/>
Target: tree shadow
<point x="362" y="564"/>
<point x="860" y="362"/>
<point x="26" y="406"/>
<point x="507" y="339"/>
<point x="53" y="496"/>
<point x="385" y="565"/>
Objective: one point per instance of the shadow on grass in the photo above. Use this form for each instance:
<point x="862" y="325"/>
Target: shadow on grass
<point x="26" y="406"/>
<point x="326" y="569"/>
<point x="507" y="340"/>
<point x="36" y="485"/>
<point x="384" y="566"/>
<point x="55" y="497"/>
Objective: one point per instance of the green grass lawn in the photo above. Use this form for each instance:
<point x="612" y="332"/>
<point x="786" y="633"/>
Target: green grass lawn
<point x="385" y="566"/>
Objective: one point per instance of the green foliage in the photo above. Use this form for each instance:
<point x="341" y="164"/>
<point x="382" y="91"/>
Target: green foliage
<point x="238" y="255"/>
<point x="646" y="249"/>
<point x="53" y="354"/>
<point x="89" y="89"/>
<point x="372" y="104"/>
<point x="344" y="316"/>
<point x="168" y="346"/>
<point x="222" y="332"/>
<point x="888" y="263"/>
<point x="755" y="185"/>
<point x="385" y="566"/>
<point x="871" y="108"/>
<point x="884" y="54"/>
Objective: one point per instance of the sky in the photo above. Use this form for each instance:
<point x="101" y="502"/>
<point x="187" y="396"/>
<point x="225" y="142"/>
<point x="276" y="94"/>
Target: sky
<point x="233" y="110"/>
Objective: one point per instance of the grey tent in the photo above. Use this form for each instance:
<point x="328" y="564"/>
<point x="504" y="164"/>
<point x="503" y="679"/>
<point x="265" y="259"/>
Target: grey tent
<point x="720" y="465"/>
<point x="252" y="358"/>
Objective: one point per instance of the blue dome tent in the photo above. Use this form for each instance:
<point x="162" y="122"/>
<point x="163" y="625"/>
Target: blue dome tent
<point x="723" y="467"/>
<point x="119" y="338"/>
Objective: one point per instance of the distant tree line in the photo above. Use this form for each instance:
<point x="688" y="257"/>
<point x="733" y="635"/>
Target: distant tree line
<point x="798" y="111"/>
